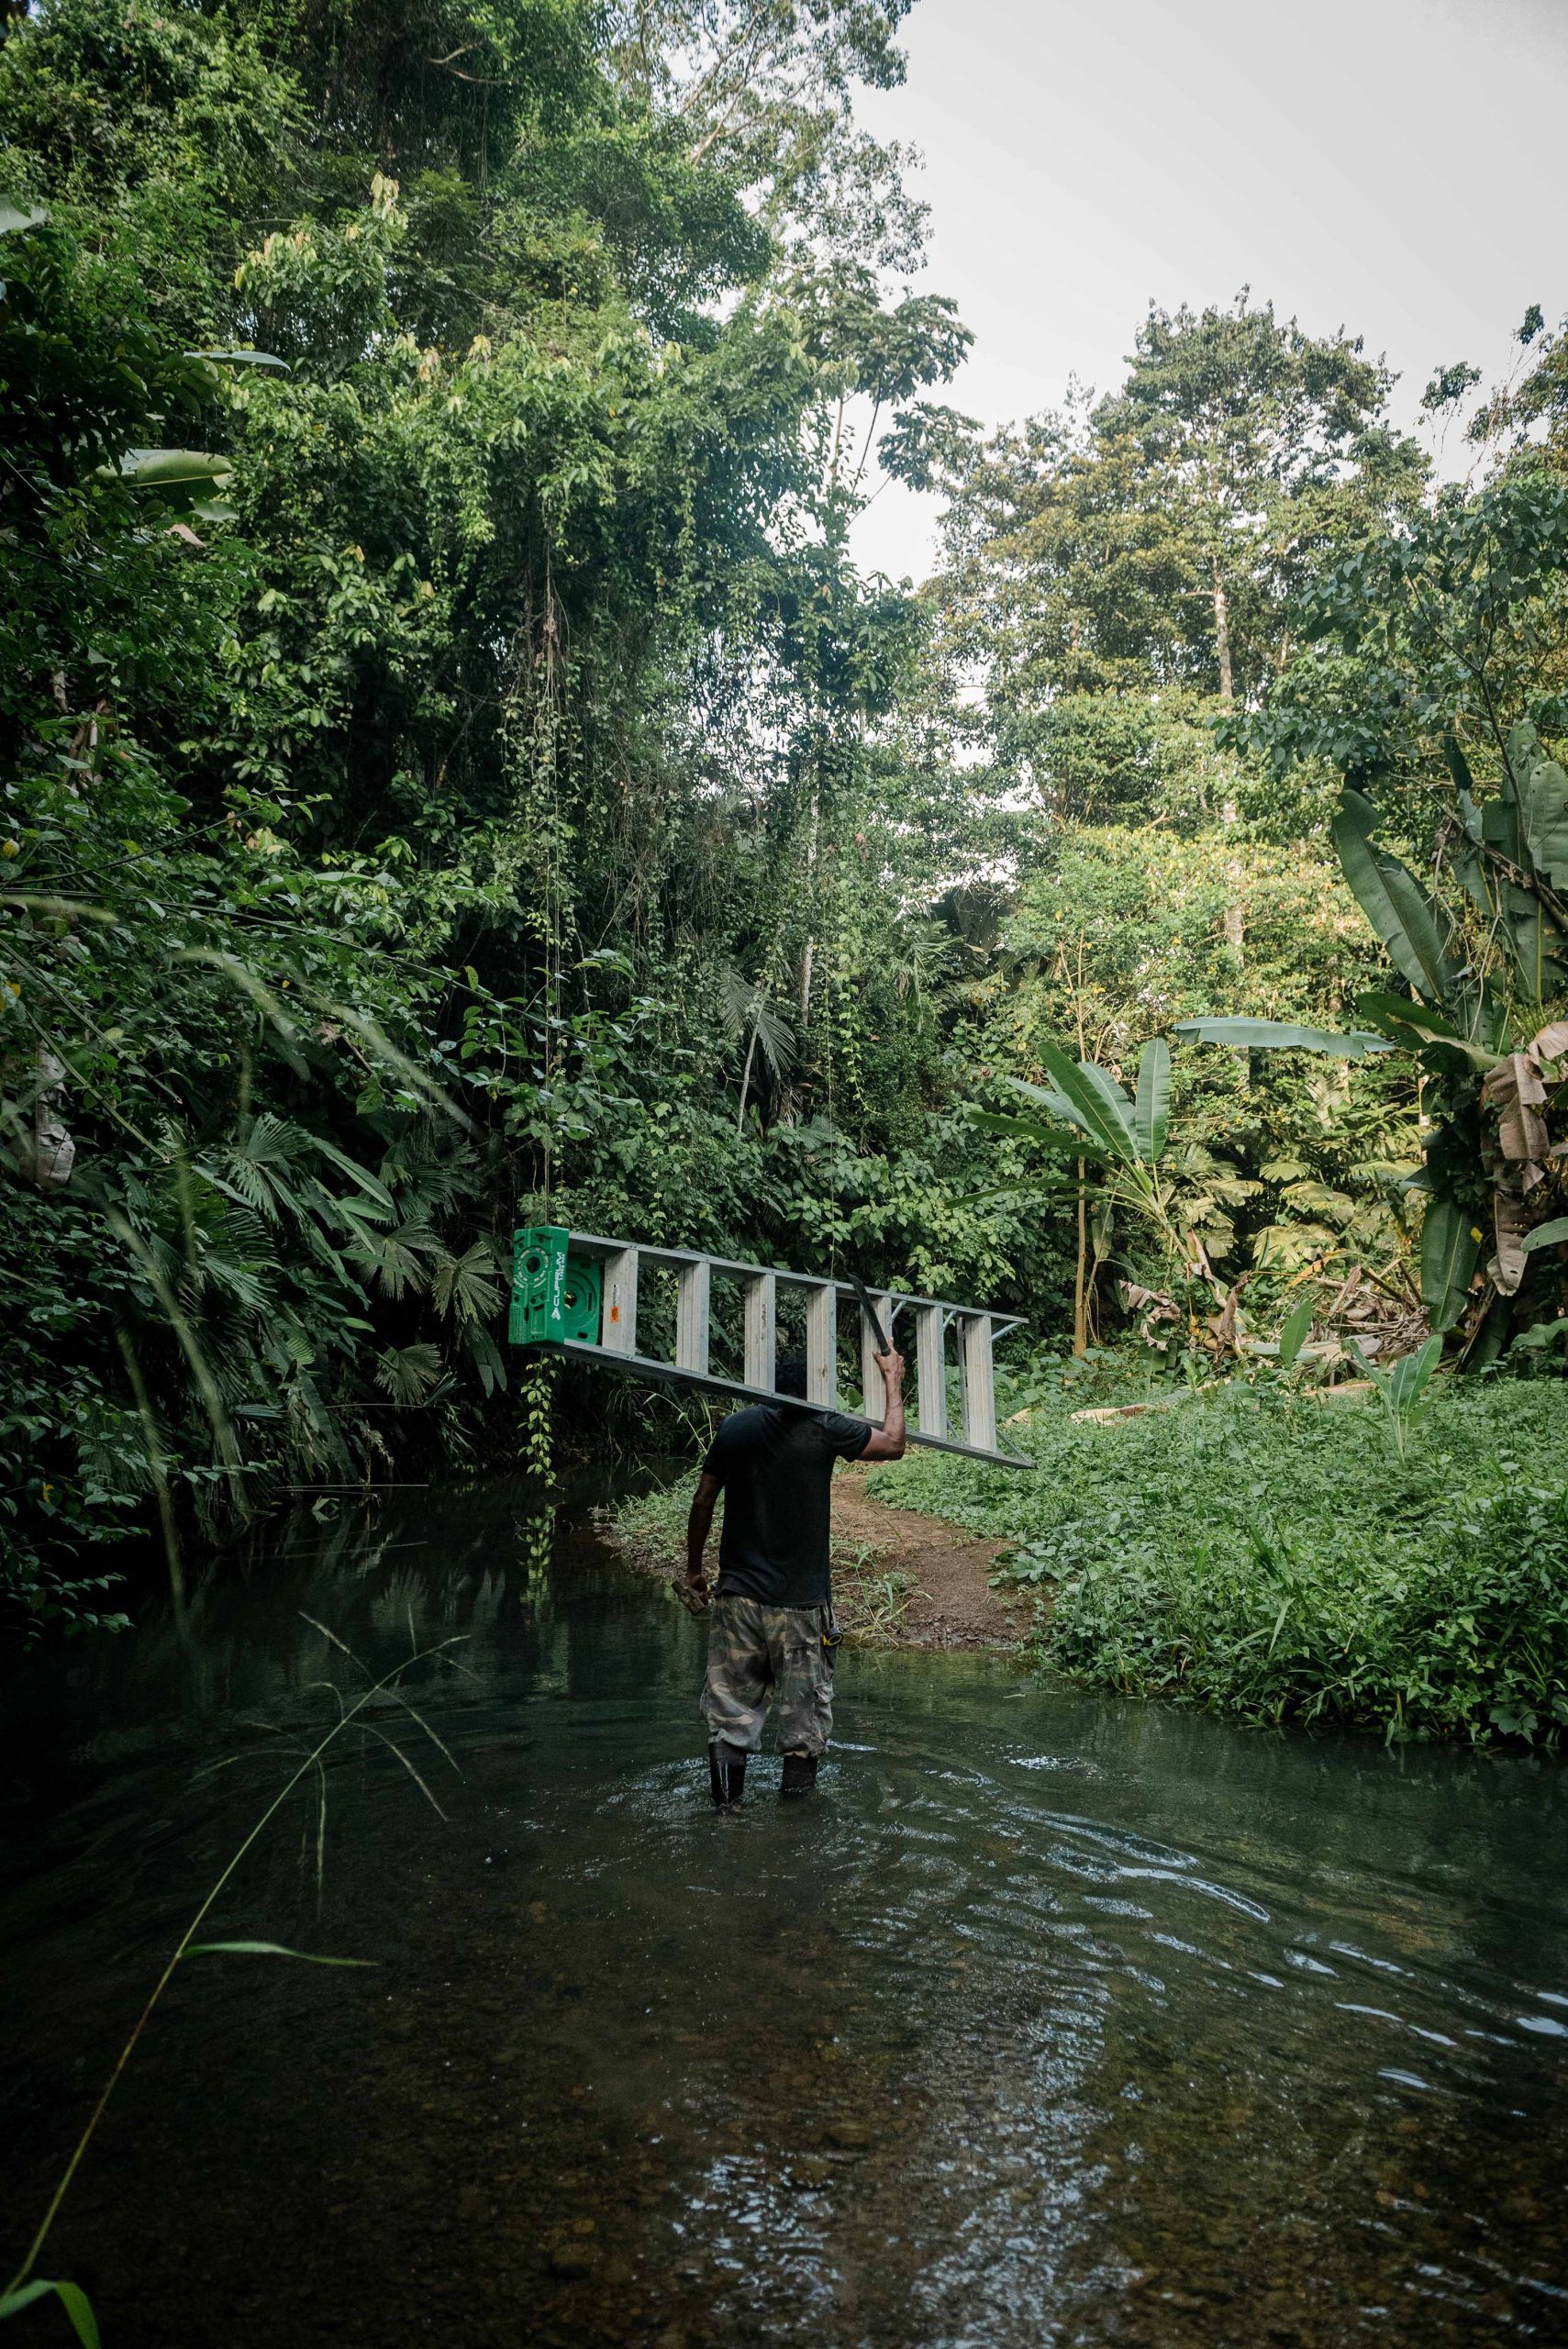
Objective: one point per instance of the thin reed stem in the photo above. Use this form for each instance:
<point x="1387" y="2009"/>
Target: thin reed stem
<point x="311" y="1762"/>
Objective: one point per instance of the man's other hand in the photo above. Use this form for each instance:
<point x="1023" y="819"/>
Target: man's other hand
<point x="892" y="1368"/>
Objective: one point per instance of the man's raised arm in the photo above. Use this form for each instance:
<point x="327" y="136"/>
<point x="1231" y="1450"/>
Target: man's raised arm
<point x="888" y="1440"/>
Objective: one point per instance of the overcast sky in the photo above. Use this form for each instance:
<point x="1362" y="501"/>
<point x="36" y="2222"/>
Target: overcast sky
<point x="1392" y="166"/>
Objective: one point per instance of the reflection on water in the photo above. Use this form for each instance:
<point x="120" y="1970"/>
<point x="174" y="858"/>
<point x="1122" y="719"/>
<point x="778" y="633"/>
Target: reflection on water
<point x="1049" y="2020"/>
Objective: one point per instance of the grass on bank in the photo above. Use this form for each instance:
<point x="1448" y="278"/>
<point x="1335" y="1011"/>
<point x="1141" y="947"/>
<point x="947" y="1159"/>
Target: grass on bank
<point x="1273" y="1557"/>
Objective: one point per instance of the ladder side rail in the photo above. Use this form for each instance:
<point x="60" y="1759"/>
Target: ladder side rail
<point x="598" y="1243"/>
<point x="693" y="1299"/>
<point x="762" y="1331"/>
<point x="715" y="1383"/>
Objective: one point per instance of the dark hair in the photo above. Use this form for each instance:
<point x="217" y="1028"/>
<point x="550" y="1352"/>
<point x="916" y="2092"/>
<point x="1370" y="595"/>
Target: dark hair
<point x="789" y="1375"/>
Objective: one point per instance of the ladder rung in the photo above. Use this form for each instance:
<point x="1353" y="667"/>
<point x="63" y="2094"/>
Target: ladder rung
<point x="872" y="1394"/>
<point x="761" y="1330"/>
<point x="693" y="1293"/>
<point x="821" y="1344"/>
<point x="619" y="1332"/>
<point x="930" y="1371"/>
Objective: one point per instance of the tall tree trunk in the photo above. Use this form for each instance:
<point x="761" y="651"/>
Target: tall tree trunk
<point x="1234" y="920"/>
<point x="1080" y="1284"/>
<point x="1222" y="634"/>
<point x="746" y="1078"/>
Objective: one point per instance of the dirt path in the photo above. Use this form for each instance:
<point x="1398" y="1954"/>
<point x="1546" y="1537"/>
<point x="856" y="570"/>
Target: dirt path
<point x="953" y="1605"/>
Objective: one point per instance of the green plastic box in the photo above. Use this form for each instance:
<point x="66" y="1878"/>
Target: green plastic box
<point x="555" y="1295"/>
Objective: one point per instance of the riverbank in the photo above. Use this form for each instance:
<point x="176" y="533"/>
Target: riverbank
<point x="902" y="1577"/>
<point x="1250" y="1552"/>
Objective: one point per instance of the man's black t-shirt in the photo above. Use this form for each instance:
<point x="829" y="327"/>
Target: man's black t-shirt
<point x="776" y="1468"/>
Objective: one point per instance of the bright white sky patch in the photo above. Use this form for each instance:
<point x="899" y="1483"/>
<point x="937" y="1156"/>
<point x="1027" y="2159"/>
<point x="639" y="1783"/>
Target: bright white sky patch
<point x="1392" y="166"/>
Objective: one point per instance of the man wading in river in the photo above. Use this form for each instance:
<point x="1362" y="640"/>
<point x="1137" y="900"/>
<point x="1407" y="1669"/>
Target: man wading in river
<point x="771" y="1630"/>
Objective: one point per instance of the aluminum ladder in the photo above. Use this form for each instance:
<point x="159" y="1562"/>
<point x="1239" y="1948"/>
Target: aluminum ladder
<point x="577" y="1292"/>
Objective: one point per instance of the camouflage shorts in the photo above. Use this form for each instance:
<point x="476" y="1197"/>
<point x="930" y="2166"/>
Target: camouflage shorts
<point x="756" y="1653"/>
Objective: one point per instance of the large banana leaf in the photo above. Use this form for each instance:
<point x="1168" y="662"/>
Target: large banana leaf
<point x="1064" y="1137"/>
<point x="1046" y="1095"/>
<point x="241" y="359"/>
<point x="1396" y="906"/>
<point x="1538" y="944"/>
<point x="1547" y="1235"/>
<point x="1280" y="1035"/>
<point x="1546" y="822"/>
<point x="1449" y="1251"/>
<point x="1151" y="1108"/>
<point x="178" y="475"/>
<point x="1410" y="1377"/>
<point x="1097" y="1105"/>
<point x="1433" y="1039"/>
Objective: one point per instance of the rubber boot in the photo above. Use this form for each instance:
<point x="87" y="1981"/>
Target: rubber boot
<point x="799" y="1773"/>
<point x="725" y="1770"/>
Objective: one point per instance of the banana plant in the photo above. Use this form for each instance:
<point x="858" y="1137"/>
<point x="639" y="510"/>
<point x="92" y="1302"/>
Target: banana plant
<point x="1088" y="1116"/>
<point x="1403" y="1389"/>
<point x="1492" y="1063"/>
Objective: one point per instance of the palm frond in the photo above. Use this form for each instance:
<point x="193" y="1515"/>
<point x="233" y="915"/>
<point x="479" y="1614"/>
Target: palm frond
<point x="465" y="1285"/>
<point x="408" y="1372"/>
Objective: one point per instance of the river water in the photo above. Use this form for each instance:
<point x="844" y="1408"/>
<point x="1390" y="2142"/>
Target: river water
<point x="1048" y="2019"/>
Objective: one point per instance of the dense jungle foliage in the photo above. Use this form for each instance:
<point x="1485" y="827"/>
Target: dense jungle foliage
<point x="455" y="772"/>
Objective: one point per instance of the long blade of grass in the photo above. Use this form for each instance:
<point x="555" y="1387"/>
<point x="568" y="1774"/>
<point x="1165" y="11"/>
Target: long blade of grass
<point x="394" y="1748"/>
<point x="269" y="1949"/>
<point x="396" y="1693"/>
<point x="72" y="2300"/>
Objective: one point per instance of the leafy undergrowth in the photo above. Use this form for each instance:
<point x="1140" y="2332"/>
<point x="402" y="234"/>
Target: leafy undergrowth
<point x="1273" y="1557"/>
<point x="870" y="1600"/>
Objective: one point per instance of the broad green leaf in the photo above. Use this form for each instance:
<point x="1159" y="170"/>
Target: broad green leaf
<point x="1536" y="943"/>
<point x="1540" y="1335"/>
<point x="1547" y="1235"/>
<point x="1430" y="1034"/>
<point x="1299" y="1321"/>
<point x="169" y="468"/>
<point x="1459" y="767"/>
<point x="1151" y="1110"/>
<point x="1524" y="752"/>
<point x="1046" y="1095"/>
<point x="241" y="359"/>
<point x="1280" y="1036"/>
<point x="1435" y="1039"/>
<point x="1546" y="822"/>
<point x="1408" y="1379"/>
<point x="487" y="1358"/>
<point x="1106" y="1123"/>
<point x="268" y="1949"/>
<point x="1449" y="1251"/>
<point x="1395" y="904"/>
<point x="1062" y="1138"/>
<point x="1117" y="1106"/>
<point x="1502" y="827"/>
<point x="1381" y="1009"/>
<point x="367" y="1182"/>
<point x="72" y="2300"/>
